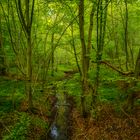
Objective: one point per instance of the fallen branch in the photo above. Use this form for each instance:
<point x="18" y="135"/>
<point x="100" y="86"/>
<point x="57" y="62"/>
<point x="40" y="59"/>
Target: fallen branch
<point x="115" y="68"/>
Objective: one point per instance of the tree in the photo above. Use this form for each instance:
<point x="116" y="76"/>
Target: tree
<point x="101" y="30"/>
<point x="26" y="22"/>
<point x="126" y="34"/>
<point x="2" y="54"/>
<point x="137" y="66"/>
<point x="85" y="59"/>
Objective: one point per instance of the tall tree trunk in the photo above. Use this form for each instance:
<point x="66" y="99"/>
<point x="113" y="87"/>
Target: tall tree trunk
<point x="85" y="58"/>
<point x="29" y="56"/>
<point x="90" y="36"/>
<point x="115" y="36"/>
<point x="29" y="72"/>
<point x="2" y="55"/>
<point x="98" y="54"/>
<point x="84" y="75"/>
<point x="26" y="23"/>
<point x="126" y="35"/>
<point x="132" y="56"/>
<point x="74" y="49"/>
<point x="52" y="60"/>
<point x="101" y="29"/>
<point x="137" y="66"/>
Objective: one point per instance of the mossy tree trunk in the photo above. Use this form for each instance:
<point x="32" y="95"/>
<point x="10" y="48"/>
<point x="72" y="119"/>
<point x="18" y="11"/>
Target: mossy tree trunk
<point x="52" y="60"/>
<point x="2" y="59"/>
<point x="126" y="35"/>
<point x="101" y="29"/>
<point x="137" y="66"/>
<point x="85" y="59"/>
<point x="2" y="55"/>
<point x="26" y="22"/>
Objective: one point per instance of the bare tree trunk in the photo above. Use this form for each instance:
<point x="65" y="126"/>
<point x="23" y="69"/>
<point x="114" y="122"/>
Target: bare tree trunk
<point x="74" y="48"/>
<point x="126" y="35"/>
<point x="29" y="70"/>
<point x="132" y="57"/>
<point x="52" y="60"/>
<point x="83" y="57"/>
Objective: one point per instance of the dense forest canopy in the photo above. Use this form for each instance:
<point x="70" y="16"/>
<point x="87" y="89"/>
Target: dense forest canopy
<point x="82" y="52"/>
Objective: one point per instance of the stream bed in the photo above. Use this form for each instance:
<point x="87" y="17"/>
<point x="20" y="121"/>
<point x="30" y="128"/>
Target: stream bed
<point x="59" y="129"/>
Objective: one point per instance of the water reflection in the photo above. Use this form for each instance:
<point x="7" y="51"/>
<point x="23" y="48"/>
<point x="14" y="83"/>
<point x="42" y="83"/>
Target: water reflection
<point x="54" y="132"/>
<point x="59" y="129"/>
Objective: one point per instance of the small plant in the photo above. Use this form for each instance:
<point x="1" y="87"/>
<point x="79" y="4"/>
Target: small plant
<point x="20" y="129"/>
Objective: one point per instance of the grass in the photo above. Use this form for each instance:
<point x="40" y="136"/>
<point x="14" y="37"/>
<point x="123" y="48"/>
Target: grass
<point x="11" y="92"/>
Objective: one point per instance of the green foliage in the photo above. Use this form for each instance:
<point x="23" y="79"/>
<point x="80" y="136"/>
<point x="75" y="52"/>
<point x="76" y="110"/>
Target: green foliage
<point x="73" y="86"/>
<point x="11" y="92"/>
<point x="20" y="129"/>
<point x="108" y="94"/>
<point x="58" y="18"/>
<point x="63" y="67"/>
<point x="56" y="75"/>
<point x="38" y="122"/>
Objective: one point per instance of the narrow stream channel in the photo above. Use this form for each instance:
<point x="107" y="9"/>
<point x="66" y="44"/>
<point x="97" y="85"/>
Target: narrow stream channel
<point x="59" y="128"/>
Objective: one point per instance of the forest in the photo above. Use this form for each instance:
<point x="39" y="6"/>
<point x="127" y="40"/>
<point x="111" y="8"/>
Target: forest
<point x="69" y="69"/>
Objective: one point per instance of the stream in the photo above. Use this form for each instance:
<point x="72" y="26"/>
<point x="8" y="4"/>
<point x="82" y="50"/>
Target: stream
<point x="59" y="129"/>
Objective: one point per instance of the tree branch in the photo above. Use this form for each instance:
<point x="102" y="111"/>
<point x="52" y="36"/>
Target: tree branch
<point x="115" y="68"/>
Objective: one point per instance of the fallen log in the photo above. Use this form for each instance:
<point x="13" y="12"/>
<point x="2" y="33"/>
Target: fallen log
<point x="115" y="68"/>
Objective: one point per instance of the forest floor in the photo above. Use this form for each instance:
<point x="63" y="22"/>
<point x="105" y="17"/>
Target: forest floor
<point x="107" y="126"/>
